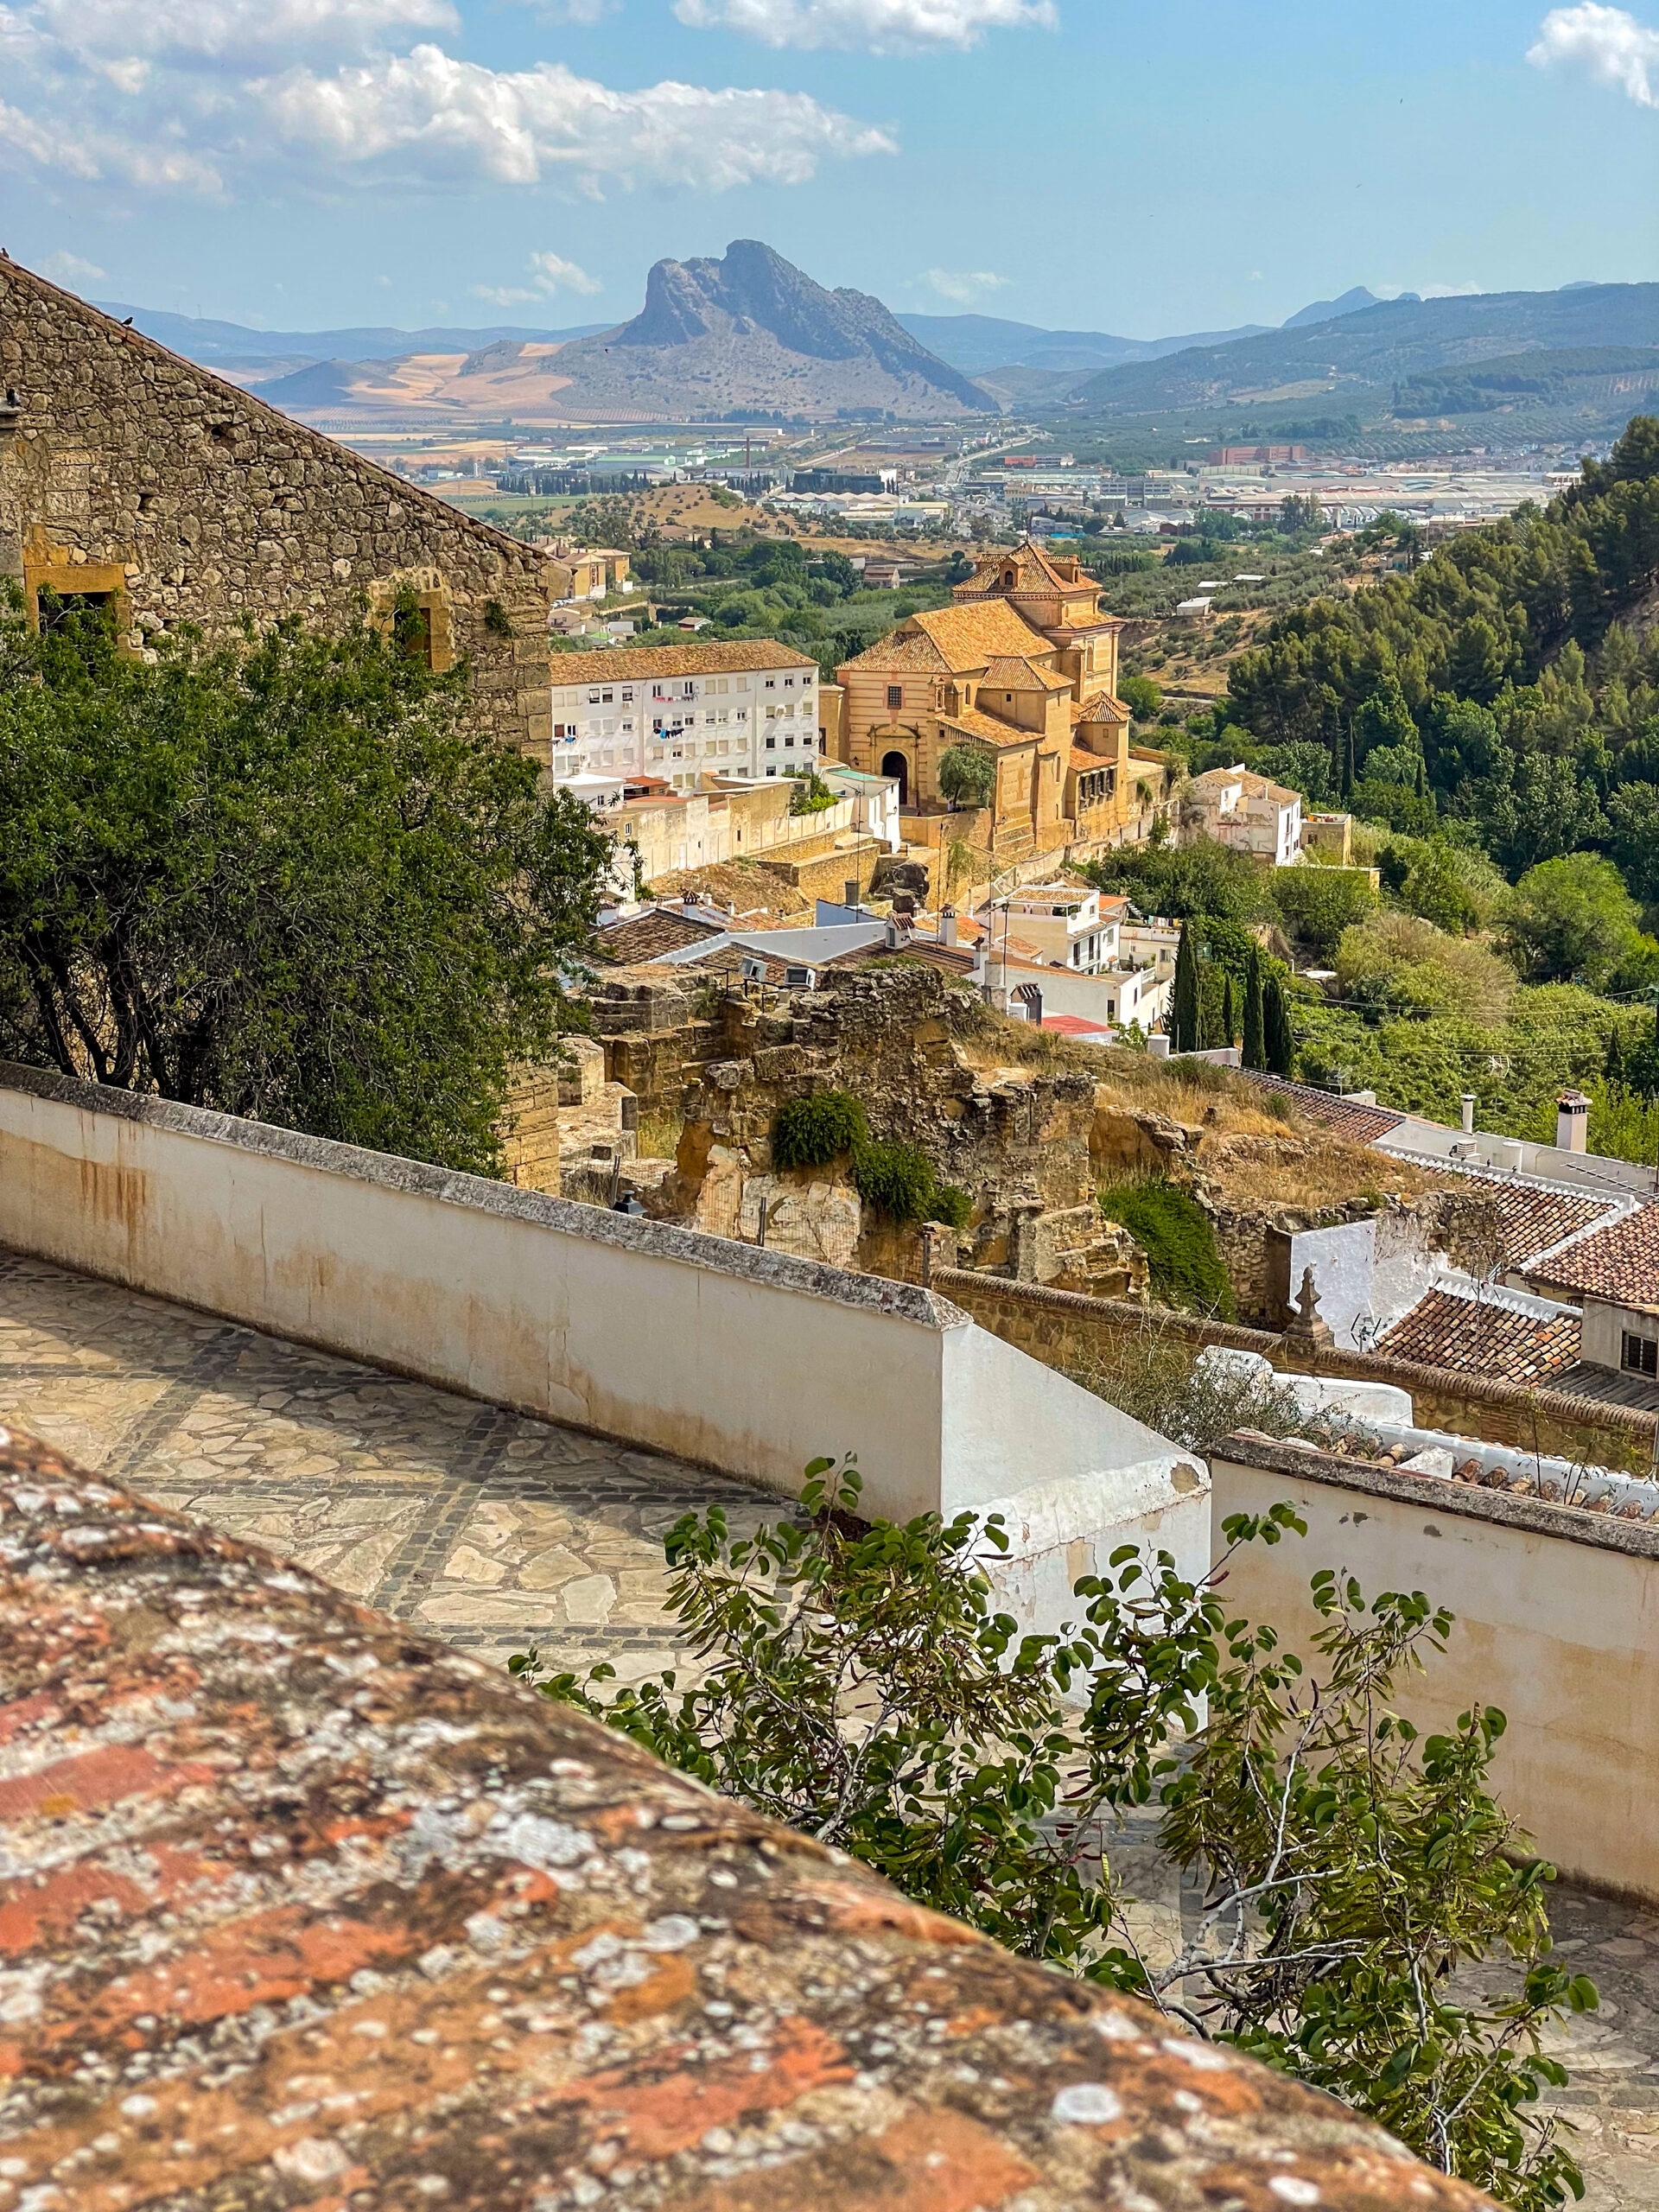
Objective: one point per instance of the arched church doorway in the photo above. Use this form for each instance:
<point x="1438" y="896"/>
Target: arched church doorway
<point x="895" y="765"/>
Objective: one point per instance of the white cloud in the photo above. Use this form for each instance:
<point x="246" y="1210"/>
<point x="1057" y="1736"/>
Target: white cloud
<point x="879" y="26"/>
<point x="196" y="32"/>
<point x="1467" y="291"/>
<point x="550" y="273"/>
<point x="207" y="95"/>
<point x="426" y="114"/>
<point x="1608" y="42"/>
<point x="69" y="268"/>
<point x="961" y="285"/>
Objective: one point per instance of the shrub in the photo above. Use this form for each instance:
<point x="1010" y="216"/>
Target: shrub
<point x="811" y="1132"/>
<point x="855" y="1682"/>
<point x="1173" y="1230"/>
<point x="1401" y="961"/>
<point x="949" y="1203"/>
<point x="897" y="1180"/>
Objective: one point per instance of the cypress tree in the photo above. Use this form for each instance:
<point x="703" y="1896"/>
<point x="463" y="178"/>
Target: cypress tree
<point x="1279" y="1038"/>
<point x="1422" y="778"/>
<point x="1184" y="998"/>
<point x="1348" y="763"/>
<point x="1228" y="1013"/>
<point x="1255" y="1048"/>
<point x="1612" y="1067"/>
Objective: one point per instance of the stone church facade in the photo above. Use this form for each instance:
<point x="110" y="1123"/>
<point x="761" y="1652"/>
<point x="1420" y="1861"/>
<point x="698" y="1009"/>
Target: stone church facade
<point x="131" y="479"/>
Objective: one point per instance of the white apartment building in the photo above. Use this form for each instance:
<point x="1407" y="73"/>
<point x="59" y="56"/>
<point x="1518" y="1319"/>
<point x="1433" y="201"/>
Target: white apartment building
<point x="1249" y="812"/>
<point x="1068" y="928"/>
<point x="678" y="712"/>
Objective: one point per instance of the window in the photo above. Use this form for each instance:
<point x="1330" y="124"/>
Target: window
<point x="771" y="683"/>
<point x="593" y="698"/>
<point x="789" y="743"/>
<point x="895" y="694"/>
<point x="689" y="690"/>
<point x="610" y="698"/>
<point x="772" y="745"/>
<point x="1640" y="1355"/>
<point x="789" y="683"/>
<point x="628" y="694"/>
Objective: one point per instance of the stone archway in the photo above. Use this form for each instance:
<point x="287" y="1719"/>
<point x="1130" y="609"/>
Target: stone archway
<point x="897" y="766"/>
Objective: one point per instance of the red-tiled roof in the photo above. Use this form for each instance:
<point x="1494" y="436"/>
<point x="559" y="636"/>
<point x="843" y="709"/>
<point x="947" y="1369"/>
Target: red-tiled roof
<point x="1619" y="1263"/>
<point x="1350" y="1117"/>
<point x="1073" y="1025"/>
<point x="1482" y="1337"/>
<point x="1530" y="1220"/>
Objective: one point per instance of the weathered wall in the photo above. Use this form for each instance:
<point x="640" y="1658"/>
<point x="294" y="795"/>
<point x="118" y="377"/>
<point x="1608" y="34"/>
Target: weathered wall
<point x="302" y="1909"/>
<point x="1069" y="1332"/>
<point x="133" y="473"/>
<point x="1557" y="1625"/>
<point x="749" y="1361"/>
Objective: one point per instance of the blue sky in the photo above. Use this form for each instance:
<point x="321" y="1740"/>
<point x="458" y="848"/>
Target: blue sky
<point x="295" y="163"/>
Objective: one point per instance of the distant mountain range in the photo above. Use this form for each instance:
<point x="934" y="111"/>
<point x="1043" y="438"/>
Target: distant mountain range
<point x="233" y="345"/>
<point x="982" y="343"/>
<point x="1377" y="344"/>
<point x="751" y="335"/>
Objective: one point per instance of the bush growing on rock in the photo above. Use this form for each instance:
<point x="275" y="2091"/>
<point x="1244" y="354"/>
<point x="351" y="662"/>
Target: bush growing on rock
<point x="811" y="1132"/>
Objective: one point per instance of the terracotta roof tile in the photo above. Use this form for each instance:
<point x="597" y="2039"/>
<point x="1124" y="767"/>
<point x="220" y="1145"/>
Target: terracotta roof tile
<point x="1015" y="672"/>
<point x="901" y="650"/>
<point x="971" y="636"/>
<point x="647" y="936"/>
<point x="972" y="723"/>
<point x="1350" y="1117"/>
<point x="614" y="664"/>
<point x="1531" y="1218"/>
<point x="1482" y="1336"/>
<point x="1619" y="1263"/>
<point x="1083" y="761"/>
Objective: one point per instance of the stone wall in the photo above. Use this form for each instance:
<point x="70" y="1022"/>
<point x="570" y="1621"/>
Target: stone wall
<point x="1069" y="1332"/>
<point x="135" y="476"/>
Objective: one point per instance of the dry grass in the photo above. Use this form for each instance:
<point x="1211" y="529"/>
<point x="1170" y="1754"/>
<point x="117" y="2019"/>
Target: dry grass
<point x="1307" y="1174"/>
<point x="1196" y="1093"/>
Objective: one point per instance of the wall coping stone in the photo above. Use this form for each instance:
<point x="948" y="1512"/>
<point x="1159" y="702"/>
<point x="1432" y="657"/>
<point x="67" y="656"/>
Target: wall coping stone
<point x="1509" y="1508"/>
<point x="1332" y="1361"/>
<point x="594" y="1224"/>
<point x="307" y="1908"/>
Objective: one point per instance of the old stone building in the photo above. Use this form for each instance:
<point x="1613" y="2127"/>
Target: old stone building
<point x="1023" y="666"/>
<point x="133" y="480"/>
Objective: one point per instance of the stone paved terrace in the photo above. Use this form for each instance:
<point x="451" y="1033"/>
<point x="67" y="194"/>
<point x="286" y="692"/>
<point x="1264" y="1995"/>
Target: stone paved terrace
<point x="492" y="1529"/>
<point x="473" y="1522"/>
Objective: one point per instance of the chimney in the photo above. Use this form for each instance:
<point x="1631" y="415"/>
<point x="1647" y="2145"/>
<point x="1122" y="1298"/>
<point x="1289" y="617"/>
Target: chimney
<point x="891" y="937"/>
<point x="850" y="893"/>
<point x="947" y="925"/>
<point x="1468" y="1105"/>
<point x="1572" y="1122"/>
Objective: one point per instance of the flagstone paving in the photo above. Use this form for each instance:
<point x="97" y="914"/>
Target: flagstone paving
<point x="495" y="1530"/>
<point x="480" y="1525"/>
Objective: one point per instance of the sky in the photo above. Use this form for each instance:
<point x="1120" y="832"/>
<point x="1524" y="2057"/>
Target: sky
<point x="1081" y="164"/>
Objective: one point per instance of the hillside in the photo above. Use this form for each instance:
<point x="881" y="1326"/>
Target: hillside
<point x="1378" y="346"/>
<point x="976" y="342"/>
<point x="752" y="332"/>
<point x="234" y="345"/>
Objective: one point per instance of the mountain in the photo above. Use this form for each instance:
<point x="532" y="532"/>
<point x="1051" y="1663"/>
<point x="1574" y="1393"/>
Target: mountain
<point x="752" y="332"/>
<point x="1349" y="304"/>
<point x="217" y="345"/>
<point x="975" y="342"/>
<point x="1378" y="346"/>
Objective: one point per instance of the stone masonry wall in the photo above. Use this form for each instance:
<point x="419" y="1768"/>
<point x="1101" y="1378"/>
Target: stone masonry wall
<point x="129" y="473"/>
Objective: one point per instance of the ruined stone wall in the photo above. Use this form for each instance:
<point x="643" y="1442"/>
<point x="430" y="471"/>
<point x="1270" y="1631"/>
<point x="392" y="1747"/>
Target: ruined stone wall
<point x="130" y="473"/>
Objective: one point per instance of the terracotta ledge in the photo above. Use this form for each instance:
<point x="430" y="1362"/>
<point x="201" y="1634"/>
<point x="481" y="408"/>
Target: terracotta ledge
<point x="301" y="1910"/>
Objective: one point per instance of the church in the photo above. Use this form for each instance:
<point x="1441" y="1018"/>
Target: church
<point x="1023" y="665"/>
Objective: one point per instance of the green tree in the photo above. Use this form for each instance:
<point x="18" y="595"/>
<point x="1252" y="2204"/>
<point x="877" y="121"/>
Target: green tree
<point x="1633" y="837"/>
<point x="1184" y="1000"/>
<point x="289" y="881"/>
<point x="1140" y="696"/>
<point x="967" y="775"/>
<point x="1228" y="1012"/>
<point x="1319" y="903"/>
<point x="857" y="1685"/>
<point x="1255" y="1047"/>
<point x="1569" y="919"/>
<point x="1279" y="1037"/>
